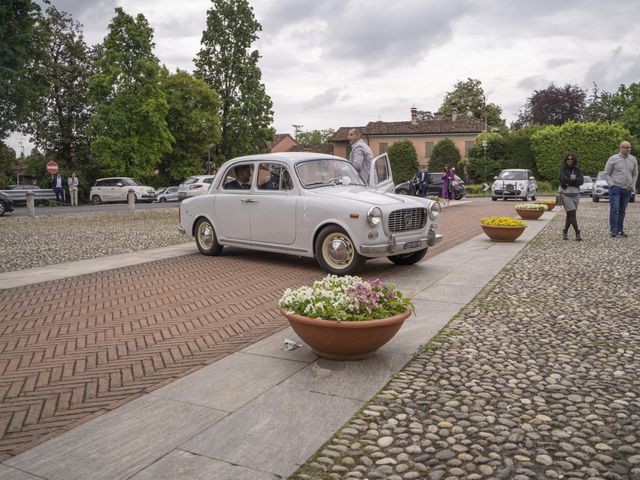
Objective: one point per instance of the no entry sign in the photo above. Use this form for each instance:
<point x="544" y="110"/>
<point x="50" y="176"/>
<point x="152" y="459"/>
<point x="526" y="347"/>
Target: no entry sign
<point x="52" y="167"/>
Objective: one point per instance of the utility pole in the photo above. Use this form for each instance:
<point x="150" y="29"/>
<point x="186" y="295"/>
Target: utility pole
<point x="298" y="129"/>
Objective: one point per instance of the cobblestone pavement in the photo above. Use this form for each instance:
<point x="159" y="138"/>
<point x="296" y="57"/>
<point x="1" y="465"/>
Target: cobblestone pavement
<point x="73" y="349"/>
<point x="48" y="240"/>
<point x="537" y="378"/>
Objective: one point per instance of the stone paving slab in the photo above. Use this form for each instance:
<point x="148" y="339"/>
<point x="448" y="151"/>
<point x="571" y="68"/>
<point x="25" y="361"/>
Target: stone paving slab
<point x="255" y="436"/>
<point x="273" y="346"/>
<point x="187" y="466"/>
<point x="231" y="382"/>
<point x="120" y="443"/>
<point x="8" y="473"/>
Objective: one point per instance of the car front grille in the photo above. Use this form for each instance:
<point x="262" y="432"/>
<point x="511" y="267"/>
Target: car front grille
<point x="407" y="219"/>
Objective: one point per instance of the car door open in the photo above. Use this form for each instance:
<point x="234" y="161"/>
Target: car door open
<point x="380" y="176"/>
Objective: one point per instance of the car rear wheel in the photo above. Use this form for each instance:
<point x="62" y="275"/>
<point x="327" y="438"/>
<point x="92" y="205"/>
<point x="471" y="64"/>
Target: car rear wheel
<point x="494" y="198"/>
<point x="336" y="253"/>
<point x="96" y="200"/>
<point x="409" y="258"/>
<point x="163" y="200"/>
<point x="596" y="198"/>
<point x="206" y="238"/>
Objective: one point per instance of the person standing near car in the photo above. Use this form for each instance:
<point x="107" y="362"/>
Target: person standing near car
<point x="621" y="174"/>
<point x="446" y="191"/>
<point x="571" y="178"/>
<point x="422" y="180"/>
<point x="73" y="182"/>
<point x="361" y="155"/>
<point x="57" y="184"/>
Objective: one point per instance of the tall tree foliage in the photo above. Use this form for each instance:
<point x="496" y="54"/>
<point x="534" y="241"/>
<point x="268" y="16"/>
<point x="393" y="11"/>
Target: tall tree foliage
<point x="404" y="160"/>
<point x="58" y="120"/>
<point x="315" y="137"/>
<point x="129" y="126"/>
<point x="19" y="46"/>
<point x="7" y="165"/>
<point x="444" y="153"/>
<point x="193" y="121"/>
<point x="553" y="106"/>
<point x="469" y="96"/>
<point x="227" y="63"/>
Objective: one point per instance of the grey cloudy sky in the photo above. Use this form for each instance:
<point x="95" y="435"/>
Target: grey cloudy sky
<point x="332" y="63"/>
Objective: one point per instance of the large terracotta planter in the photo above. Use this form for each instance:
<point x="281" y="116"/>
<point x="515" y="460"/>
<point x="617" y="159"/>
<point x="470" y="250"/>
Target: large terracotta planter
<point x="345" y="340"/>
<point x="529" y="214"/>
<point x="550" y="206"/>
<point x="503" y="234"/>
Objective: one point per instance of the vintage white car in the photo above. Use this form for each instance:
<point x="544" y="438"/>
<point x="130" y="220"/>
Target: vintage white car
<point x="311" y="205"/>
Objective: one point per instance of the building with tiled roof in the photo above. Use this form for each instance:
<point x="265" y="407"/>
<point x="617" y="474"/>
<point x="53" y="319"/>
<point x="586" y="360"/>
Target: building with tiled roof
<point x="424" y="134"/>
<point x="282" y="142"/>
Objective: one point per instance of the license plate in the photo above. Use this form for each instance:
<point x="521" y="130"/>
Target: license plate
<point x="414" y="244"/>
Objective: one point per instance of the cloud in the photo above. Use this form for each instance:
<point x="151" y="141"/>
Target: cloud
<point x="325" y="99"/>
<point x="559" y="62"/>
<point x="619" y="67"/>
<point x="535" y="82"/>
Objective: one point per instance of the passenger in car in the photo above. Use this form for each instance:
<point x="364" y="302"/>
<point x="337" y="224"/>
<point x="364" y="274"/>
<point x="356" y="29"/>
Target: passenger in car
<point x="242" y="180"/>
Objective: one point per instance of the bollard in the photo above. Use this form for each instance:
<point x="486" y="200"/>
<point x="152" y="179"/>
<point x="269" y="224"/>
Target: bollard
<point x="131" y="199"/>
<point x="31" y="204"/>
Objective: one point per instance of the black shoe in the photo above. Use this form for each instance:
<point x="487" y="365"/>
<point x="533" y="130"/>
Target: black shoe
<point x="564" y="235"/>
<point x="578" y="237"/>
<point x="622" y="234"/>
<point x="613" y="234"/>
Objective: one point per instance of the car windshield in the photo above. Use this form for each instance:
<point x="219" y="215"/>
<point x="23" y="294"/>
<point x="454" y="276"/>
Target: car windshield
<point x="327" y="171"/>
<point x="588" y="179"/>
<point x="129" y="182"/>
<point x="600" y="176"/>
<point x="512" y="175"/>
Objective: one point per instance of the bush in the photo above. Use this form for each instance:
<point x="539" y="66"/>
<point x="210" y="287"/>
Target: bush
<point x="444" y="153"/>
<point x="404" y="160"/>
<point x="593" y="143"/>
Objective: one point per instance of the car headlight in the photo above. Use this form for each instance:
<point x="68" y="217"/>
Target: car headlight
<point x="434" y="210"/>
<point x="374" y="216"/>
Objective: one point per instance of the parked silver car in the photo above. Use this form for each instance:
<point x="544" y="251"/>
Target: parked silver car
<point x="514" y="183"/>
<point x="194" y="186"/>
<point x="601" y="189"/>
<point x="169" y="194"/>
<point x="586" y="188"/>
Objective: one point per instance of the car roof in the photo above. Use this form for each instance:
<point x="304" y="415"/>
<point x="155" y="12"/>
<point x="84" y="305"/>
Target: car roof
<point x="111" y="178"/>
<point x="287" y="157"/>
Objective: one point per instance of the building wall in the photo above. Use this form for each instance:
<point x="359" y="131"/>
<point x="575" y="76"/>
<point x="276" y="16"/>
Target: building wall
<point x="380" y="144"/>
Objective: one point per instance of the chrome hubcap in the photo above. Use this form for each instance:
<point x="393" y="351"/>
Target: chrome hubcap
<point x="205" y="235"/>
<point x="338" y="250"/>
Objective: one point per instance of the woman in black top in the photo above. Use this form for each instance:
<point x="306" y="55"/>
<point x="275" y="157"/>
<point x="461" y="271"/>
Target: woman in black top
<point x="571" y="178"/>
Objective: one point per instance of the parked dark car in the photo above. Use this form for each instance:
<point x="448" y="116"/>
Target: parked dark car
<point x="435" y="185"/>
<point x="6" y="204"/>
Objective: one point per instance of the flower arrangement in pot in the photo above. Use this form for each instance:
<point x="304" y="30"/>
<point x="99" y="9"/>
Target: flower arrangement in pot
<point x="550" y="203"/>
<point x="502" y="229"/>
<point x="530" y="211"/>
<point x="345" y="318"/>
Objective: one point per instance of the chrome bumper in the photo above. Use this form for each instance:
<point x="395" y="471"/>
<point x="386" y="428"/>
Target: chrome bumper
<point x="181" y="230"/>
<point x="396" y="247"/>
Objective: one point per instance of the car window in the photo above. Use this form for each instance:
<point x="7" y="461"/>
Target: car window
<point x="129" y="182"/>
<point x="239" y="177"/>
<point x="382" y="172"/>
<point x="208" y="180"/>
<point x="327" y="171"/>
<point x="588" y="179"/>
<point x="273" y="176"/>
<point x="190" y="180"/>
<point x="512" y="175"/>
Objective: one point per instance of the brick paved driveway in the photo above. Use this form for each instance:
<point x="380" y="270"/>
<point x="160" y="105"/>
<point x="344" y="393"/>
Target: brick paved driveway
<point x="73" y="349"/>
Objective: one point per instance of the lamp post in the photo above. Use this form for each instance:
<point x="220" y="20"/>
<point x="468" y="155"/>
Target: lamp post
<point x="209" y="158"/>
<point x="485" y="145"/>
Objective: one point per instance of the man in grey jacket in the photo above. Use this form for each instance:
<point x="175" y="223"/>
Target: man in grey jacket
<point x="621" y="174"/>
<point x="361" y="155"/>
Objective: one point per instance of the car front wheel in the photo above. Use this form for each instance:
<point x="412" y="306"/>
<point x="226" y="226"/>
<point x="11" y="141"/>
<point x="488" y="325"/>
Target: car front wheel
<point x="409" y="258"/>
<point x="596" y="198"/>
<point x="632" y="199"/>
<point x="206" y="238"/>
<point x="403" y="191"/>
<point x="3" y="209"/>
<point x="96" y="200"/>
<point x="163" y="200"/>
<point x="336" y="253"/>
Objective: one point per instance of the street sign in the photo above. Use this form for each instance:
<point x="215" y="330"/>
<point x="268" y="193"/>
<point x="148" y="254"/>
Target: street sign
<point x="52" y="167"/>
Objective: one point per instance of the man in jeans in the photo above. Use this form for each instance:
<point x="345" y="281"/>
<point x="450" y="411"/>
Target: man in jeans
<point x="621" y="174"/>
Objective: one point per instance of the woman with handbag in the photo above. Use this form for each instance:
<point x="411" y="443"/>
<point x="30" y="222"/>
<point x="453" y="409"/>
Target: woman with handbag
<point x="571" y="178"/>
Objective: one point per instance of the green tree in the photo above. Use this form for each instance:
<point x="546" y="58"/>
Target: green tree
<point x="129" y="126"/>
<point x="227" y="63"/>
<point x="469" y="96"/>
<point x="444" y="153"/>
<point x="7" y="165"/>
<point x="627" y="99"/>
<point x="593" y="144"/>
<point x="19" y="46"/>
<point x="602" y="107"/>
<point x="404" y="160"/>
<point x="193" y="121"/>
<point x="315" y="137"/>
<point x="59" y="118"/>
<point x="488" y="157"/>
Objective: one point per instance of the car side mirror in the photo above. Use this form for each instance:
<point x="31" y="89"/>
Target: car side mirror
<point x="495" y="178"/>
<point x="532" y="178"/>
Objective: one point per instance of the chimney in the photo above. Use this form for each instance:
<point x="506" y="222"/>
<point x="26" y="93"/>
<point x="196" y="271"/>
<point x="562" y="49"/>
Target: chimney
<point x="414" y="115"/>
<point x="454" y="114"/>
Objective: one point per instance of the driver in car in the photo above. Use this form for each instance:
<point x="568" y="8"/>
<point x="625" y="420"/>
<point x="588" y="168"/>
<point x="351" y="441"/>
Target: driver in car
<point x="242" y="180"/>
